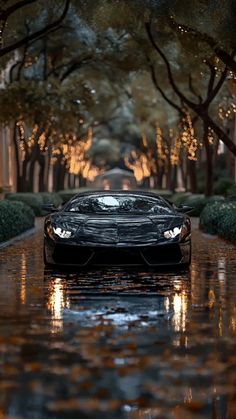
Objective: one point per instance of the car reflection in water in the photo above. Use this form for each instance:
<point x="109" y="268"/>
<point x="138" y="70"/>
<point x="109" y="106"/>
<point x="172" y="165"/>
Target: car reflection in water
<point x="127" y="309"/>
<point x="119" y="297"/>
<point x="144" y="321"/>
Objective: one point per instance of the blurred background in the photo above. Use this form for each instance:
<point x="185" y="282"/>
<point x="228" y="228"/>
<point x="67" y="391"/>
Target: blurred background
<point x="117" y="94"/>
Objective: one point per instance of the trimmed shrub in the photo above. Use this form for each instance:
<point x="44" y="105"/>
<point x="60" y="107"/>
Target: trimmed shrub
<point x="220" y="218"/>
<point x="67" y="194"/>
<point x="180" y="198"/>
<point x="33" y="200"/>
<point x="222" y="186"/>
<point x="51" y="198"/>
<point x="197" y="201"/>
<point x="15" y="218"/>
<point x="163" y="193"/>
<point x="231" y="192"/>
<point x="227" y="227"/>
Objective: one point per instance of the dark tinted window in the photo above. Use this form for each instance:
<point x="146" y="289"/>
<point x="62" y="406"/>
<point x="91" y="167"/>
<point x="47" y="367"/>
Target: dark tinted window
<point x="120" y="204"/>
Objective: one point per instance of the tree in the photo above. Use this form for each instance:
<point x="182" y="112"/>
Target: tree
<point x="31" y="36"/>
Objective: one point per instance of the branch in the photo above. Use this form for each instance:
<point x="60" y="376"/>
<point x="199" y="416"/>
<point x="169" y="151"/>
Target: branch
<point x="12" y="9"/>
<point x="216" y="89"/>
<point x="226" y="58"/>
<point x="219" y="132"/>
<point x="38" y="34"/>
<point x="192" y="89"/>
<point x="169" y="72"/>
<point x="12" y="70"/>
<point x="165" y="97"/>
<point x="212" y="78"/>
<point x="201" y="109"/>
<point x="26" y="46"/>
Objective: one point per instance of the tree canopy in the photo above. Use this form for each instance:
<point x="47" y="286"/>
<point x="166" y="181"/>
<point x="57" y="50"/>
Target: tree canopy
<point x="124" y="70"/>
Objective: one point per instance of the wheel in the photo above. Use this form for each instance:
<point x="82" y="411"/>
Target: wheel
<point x="46" y="263"/>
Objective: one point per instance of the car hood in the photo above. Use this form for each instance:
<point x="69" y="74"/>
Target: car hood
<point x="118" y="229"/>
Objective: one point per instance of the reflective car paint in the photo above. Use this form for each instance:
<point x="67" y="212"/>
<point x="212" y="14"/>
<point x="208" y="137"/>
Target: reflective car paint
<point x="115" y="231"/>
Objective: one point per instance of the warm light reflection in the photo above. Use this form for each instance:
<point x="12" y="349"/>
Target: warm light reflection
<point x="188" y="395"/>
<point x="222" y="269"/>
<point x="211" y="298"/>
<point x="220" y="323"/>
<point x="180" y="306"/>
<point x="167" y="304"/>
<point x="125" y="185"/>
<point x="233" y="320"/>
<point x="23" y="279"/>
<point x="56" y="303"/>
<point x="106" y="185"/>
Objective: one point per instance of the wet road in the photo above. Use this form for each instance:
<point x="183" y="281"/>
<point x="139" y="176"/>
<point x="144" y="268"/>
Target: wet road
<point x="123" y="344"/>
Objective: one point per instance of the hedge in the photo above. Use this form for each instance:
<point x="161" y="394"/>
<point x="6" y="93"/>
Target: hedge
<point x="36" y="200"/>
<point x="197" y="201"/>
<point x="222" y="186"/>
<point x="220" y="218"/>
<point x="68" y="194"/>
<point x="15" y="218"/>
<point x="51" y="198"/>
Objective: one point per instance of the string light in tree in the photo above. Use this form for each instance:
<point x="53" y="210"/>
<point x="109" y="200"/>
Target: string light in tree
<point x="210" y="136"/>
<point x="227" y="108"/>
<point x="21" y="139"/>
<point x="189" y="141"/>
<point x="175" y="152"/>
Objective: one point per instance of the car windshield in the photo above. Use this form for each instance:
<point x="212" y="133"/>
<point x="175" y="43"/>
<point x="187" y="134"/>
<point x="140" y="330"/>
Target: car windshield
<point x="118" y="204"/>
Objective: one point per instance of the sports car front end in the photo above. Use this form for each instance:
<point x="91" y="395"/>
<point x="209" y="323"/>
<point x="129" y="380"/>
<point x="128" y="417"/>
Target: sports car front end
<point x="81" y="240"/>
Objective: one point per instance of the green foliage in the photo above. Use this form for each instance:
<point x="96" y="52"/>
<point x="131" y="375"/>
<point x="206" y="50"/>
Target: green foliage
<point x="180" y="198"/>
<point x="33" y="200"/>
<point x="220" y="218"/>
<point x="222" y="185"/>
<point x="67" y="194"/>
<point x="15" y="218"/>
<point x="36" y="200"/>
<point x="231" y="191"/>
<point x="51" y="198"/>
<point x="197" y="201"/>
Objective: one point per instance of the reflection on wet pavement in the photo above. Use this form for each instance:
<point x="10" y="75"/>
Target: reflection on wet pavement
<point x="116" y="343"/>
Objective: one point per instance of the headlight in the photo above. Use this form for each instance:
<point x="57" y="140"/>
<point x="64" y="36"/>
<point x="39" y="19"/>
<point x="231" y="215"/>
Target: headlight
<point x="64" y="234"/>
<point x="182" y="232"/>
<point x="171" y="234"/>
<point x="63" y="230"/>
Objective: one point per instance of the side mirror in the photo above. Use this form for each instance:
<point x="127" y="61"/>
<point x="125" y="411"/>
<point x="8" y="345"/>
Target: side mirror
<point x="184" y="208"/>
<point x="49" y="208"/>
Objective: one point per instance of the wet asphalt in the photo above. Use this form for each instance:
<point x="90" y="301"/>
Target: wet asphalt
<point x="118" y="343"/>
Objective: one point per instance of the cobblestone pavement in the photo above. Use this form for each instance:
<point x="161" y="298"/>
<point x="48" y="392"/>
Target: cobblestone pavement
<point x="116" y="343"/>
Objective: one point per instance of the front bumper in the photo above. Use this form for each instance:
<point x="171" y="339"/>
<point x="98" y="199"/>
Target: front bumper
<point x="166" y="254"/>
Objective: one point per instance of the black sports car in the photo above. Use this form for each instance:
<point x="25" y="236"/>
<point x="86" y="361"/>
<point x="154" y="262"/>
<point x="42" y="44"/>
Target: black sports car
<point x="117" y="228"/>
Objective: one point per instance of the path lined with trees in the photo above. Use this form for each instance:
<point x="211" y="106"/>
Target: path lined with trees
<point x="141" y="85"/>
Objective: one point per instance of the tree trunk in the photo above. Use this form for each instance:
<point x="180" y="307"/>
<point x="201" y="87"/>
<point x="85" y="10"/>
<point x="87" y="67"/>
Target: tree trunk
<point x="42" y="174"/>
<point x="173" y="179"/>
<point x="192" y="175"/>
<point x="209" y="162"/>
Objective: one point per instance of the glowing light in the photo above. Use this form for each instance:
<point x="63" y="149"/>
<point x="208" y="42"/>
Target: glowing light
<point x="189" y="141"/>
<point x="23" y="279"/>
<point x="56" y="303"/>
<point x="180" y="306"/>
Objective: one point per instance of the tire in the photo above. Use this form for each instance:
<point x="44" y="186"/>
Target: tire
<point x="46" y="263"/>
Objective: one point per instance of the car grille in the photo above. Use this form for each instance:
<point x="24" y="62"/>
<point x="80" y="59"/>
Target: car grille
<point x="72" y="255"/>
<point x="162" y="255"/>
<point x="117" y="257"/>
<point x="152" y="255"/>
